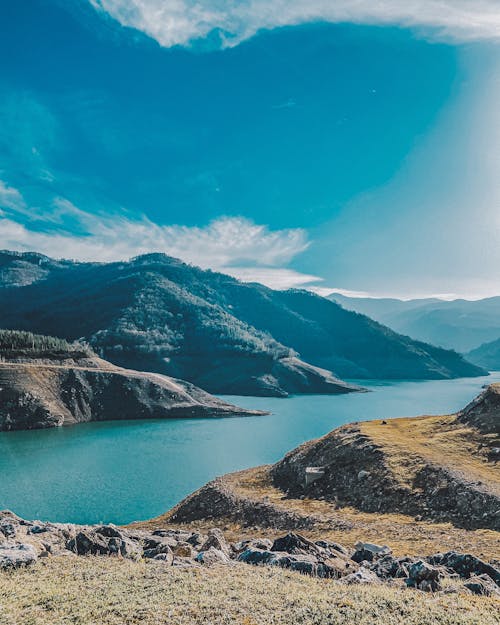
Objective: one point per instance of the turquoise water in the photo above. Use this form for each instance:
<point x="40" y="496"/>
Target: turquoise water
<point x="123" y="471"/>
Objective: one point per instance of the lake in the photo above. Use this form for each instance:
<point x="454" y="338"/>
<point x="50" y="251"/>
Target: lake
<point x="130" y="470"/>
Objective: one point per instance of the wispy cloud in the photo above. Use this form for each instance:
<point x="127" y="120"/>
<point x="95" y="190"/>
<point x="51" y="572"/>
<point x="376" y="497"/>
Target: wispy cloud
<point x="235" y="245"/>
<point x="178" y="22"/>
<point x="10" y="198"/>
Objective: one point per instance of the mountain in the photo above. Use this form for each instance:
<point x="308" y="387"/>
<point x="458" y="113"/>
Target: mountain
<point x="487" y="355"/>
<point x="459" y="324"/>
<point x="47" y="382"/>
<point x="156" y="313"/>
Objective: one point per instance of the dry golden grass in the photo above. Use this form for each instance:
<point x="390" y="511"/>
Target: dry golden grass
<point x="409" y="443"/>
<point x="104" y="591"/>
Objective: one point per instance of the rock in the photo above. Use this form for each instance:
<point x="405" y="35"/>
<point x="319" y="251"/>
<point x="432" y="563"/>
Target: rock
<point x="295" y="543"/>
<point x="363" y="475"/>
<point x="91" y="542"/>
<point x="423" y="576"/>
<point x="389" y="567"/>
<point x="183" y="550"/>
<point x="369" y="552"/>
<point x="216" y="540"/>
<point x="13" y="556"/>
<point x="308" y="564"/>
<point x="153" y="543"/>
<point x="212" y="556"/>
<point x="332" y="547"/>
<point x="466" y="565"/>
<point x="254" y="543"/>
<point x="159" y="549"/>
<point x="8" y="529"/>
<point x="361" y="576"/>
<point x="482" y="585"/>
<point x="85" y="543"/>
<point x="109" y="531"/>
<point x="165" y="556"/>
<point x="257" y="557"/>
<point x="38" y="528"/>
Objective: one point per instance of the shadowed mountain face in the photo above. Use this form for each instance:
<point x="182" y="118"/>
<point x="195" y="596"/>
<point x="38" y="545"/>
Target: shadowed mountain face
<point x="460" y="324"/>
<point x="156" y="313"/>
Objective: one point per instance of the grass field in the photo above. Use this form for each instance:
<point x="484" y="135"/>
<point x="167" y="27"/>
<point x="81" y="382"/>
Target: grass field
<point x="104" y="591"/>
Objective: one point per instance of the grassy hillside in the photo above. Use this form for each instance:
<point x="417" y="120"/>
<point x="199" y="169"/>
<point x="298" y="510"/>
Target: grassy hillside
<point x="86" y="591"/>
<point x="157" y="313"/>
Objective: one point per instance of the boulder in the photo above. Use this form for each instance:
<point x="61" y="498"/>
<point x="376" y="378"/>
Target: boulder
<point x="253" y="543"/>
<point x="295" y="543"/>
<point x="183" y="550"/>
<point x="157" y="550"/>
<point x="368" y="552"/>
<point x="91" y="542"/>
<point x="424" y="576"/>
<point x="258" y="557"/>
<point x="389" y="567"/>
<point x="332" y="547"/>
<point x="465" y="565"/>
<point x="482" y="585"/>
<point x="7" y="528"/>
<point x="216" y="540"/>
<point x="212" y="557"/>
<point x="13" y="556"/>
<point x="361" y="576"/>
<point x="167" y="557"/>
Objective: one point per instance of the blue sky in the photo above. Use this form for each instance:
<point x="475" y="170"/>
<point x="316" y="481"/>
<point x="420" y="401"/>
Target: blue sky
<point x="328" y="144"/>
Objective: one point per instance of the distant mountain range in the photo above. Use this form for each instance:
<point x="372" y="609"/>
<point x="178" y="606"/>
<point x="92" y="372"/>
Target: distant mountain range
<point x="156" y="313"/>
<point x="487" y="355"/>
<point x="460" y="324"/>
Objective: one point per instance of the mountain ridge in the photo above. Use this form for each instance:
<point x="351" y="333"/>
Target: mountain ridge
<point x="157" y="313"/>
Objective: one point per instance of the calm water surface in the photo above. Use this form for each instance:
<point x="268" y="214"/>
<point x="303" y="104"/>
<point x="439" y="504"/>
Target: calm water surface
<point x="122" y="471"/>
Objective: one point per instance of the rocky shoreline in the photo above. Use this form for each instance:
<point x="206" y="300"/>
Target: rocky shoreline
<point x="23" y="542"/>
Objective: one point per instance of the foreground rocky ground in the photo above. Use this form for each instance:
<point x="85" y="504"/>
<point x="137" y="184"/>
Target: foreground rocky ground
<point x="110" y="591"/>
<point x="23" y="543"/>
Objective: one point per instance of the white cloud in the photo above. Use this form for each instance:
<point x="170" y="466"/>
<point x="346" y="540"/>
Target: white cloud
<point x="10" y="198"/>
<point x="234" y="245"/>
<point x="274" y="277"/>
<point x="173" y="22"/>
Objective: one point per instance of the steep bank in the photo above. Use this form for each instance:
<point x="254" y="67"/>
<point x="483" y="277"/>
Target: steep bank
<point x="49" y="383"/>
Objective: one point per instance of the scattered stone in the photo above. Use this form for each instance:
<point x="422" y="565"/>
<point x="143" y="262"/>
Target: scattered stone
<point x="482" y="585"/>
<point x="212" y="556"/>
<point x="424" y="577"/>
<point x="183" y="550"/>
<point x="295" y="543"/>
<point x="165" y="556"/>
<point x="466" y="565"/>
<point x="216" y="540"/>
<point x="361" y="576"/>
<point x="13" y="556"/>
<point x="367" y="552"/>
